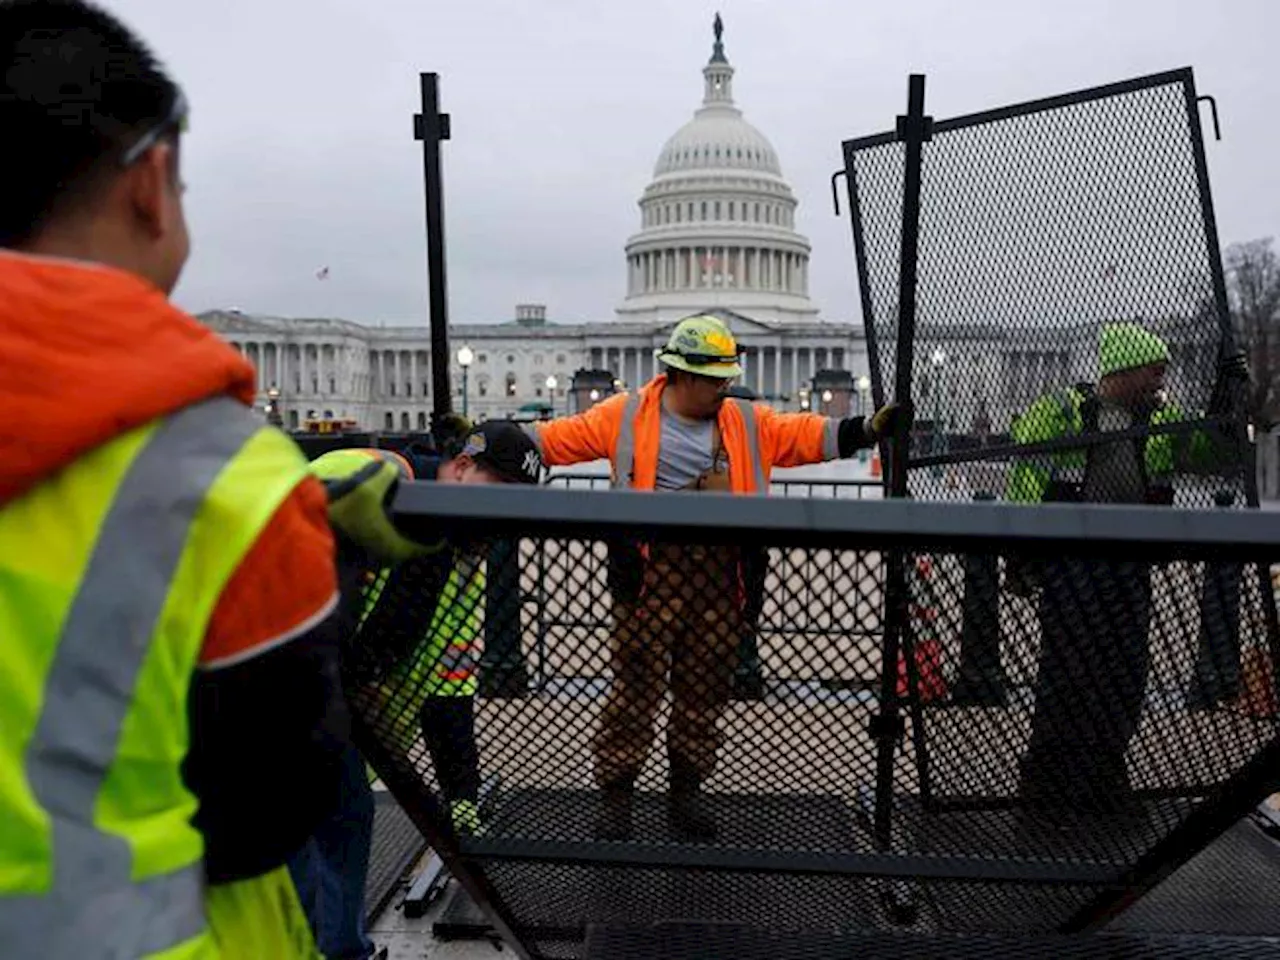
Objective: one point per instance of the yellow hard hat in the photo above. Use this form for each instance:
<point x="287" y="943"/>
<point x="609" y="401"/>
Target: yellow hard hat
<point x="704" y="345"/>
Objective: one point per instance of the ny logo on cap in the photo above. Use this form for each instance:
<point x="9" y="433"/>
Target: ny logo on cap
<point x="532" y="463"/>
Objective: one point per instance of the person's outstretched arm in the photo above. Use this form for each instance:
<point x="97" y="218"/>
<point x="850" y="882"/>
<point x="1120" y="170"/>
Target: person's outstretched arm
<point x="584" y="437"/>
<point x="798" y="439"/>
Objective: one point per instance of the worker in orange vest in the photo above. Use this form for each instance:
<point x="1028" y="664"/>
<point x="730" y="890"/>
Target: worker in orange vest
<point x="683" y="606"/>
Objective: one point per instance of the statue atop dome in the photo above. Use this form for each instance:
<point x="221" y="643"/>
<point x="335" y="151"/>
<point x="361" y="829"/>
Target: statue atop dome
<point x="717" y="53"/>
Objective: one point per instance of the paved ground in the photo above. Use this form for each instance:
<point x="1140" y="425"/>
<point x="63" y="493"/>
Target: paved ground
<point x="408" y="939"/>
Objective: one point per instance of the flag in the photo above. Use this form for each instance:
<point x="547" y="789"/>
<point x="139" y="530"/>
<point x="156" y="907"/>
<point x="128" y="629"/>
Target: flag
<point x="322" y="273"/>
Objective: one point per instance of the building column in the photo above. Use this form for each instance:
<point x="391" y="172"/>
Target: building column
<point x="777" y="370"/>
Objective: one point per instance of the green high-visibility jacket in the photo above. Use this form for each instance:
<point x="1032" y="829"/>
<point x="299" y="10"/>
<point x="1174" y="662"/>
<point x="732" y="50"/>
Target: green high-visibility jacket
<point x="110" y="570"/>
<point x="444" y="662"/>
<point x="1061" y="414"/>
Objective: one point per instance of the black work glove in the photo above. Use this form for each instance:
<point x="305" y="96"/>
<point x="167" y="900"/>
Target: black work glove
<point x="1233" y="376"/>
<point x="859" y="433"/>
<point x="884" y="422"/>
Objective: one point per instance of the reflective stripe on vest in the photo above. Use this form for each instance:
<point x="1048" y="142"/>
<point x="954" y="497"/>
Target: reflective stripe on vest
<point x="748" y="410"/>
<point x="455" y="627"/>
<point x="624" y="455"/>
<point x="90" y="901"/>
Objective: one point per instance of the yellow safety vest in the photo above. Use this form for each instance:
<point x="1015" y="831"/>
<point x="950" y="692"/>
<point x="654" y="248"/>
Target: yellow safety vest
<point x="109" y="573"/>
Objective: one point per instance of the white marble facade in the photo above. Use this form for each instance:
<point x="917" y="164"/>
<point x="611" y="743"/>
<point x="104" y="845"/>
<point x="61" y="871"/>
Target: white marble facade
<point x="381" y="376"/>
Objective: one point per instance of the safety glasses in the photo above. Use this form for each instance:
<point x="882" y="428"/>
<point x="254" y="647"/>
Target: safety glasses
<point x="176" y="119"/>
<point x="705" y="359"/>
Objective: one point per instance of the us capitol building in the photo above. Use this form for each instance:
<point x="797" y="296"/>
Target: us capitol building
<point x="717" y="235"/>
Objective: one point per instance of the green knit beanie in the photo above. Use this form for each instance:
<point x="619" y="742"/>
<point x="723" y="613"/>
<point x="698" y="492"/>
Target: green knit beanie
<point x="1126" y="346"/>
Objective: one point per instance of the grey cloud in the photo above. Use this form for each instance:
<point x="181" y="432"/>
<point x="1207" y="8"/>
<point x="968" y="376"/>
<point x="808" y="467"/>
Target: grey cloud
<point x="301" y="152"/>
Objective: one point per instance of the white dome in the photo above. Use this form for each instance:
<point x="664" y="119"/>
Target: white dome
<point x="717" y="139"/>
<point x="717" y="221"/>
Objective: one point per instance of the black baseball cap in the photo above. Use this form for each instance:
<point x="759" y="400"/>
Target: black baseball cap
<point x="505" y="449"/>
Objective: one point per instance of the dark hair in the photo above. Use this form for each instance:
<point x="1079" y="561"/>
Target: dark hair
<point x="77" y="89"/>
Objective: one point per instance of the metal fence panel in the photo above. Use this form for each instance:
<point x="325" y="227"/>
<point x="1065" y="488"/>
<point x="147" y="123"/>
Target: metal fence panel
<point x="996" y="844"/>
<point x="1040" y="225"/>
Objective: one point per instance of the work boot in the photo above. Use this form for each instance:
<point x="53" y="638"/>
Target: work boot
<point x="613" y="820"/>
<point x="686" y="811"/>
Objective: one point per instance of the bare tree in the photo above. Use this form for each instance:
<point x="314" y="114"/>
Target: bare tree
<point x="1253" y="288"/>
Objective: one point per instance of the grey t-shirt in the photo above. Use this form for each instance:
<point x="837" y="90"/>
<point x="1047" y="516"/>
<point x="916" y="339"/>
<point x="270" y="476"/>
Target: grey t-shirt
<point x="1114" y="474"/>
<point x="684" y="450"/>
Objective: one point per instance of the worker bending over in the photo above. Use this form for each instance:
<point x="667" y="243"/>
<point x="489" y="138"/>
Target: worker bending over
<point x="417" y="653"/>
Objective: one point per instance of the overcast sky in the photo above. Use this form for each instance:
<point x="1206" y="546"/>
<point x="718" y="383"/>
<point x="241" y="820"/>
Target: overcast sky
<point x="301" y="153"/>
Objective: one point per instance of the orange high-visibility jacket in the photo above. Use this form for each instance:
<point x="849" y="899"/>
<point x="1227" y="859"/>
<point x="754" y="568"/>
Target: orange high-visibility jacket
<point x="626" y="427"/>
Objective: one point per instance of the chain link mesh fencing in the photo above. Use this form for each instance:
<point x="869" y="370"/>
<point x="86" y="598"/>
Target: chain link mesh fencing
<point x="633" y="780"/>
<point x="1068" y="346"/>
<point x="1065" y="246"/>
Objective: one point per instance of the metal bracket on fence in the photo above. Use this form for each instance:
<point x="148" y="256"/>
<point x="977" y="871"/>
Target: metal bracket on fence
<point x="1213" y="112"/>
<point x="835" y="193"/>
<point x="902" y="130"/>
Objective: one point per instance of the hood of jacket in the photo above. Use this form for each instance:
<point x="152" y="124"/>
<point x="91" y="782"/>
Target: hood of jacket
<point x="87" y="353"/>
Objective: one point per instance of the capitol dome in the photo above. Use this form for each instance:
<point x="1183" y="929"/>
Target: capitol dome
<point x="714" y="141"/>
<point x="717" y="222"/>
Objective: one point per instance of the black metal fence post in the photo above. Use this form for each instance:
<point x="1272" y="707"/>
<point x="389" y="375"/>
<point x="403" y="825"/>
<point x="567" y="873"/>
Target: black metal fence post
<point x="887" y="725"/>
<point x="431" y="127"/>
<point x="981" y="680"/>
<point x="748" y="675"/>
<point x="502" y="667"/>
<point x="1217" y="672"/>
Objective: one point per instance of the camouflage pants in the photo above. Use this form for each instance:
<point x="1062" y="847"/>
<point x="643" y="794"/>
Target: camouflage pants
<point x="687" y="621"/>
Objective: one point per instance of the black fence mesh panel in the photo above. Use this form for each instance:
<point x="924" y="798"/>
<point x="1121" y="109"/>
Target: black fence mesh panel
<point x="694" y="741"/>
<point x="1065" y="246"/>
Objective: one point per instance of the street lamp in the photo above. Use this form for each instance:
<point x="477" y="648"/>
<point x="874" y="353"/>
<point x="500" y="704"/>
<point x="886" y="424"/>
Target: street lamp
<point x="804" y="398"/>
<point x="826" y="399"/>
<point x="595" y="395"/>
<point x="618" y="385"/>
<point x="552" y="382"/>
<point x="465" y="358"/>
<point x="864" y="391"/>
<point x="938" y="359"/>
<point x="273" y="406"/>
